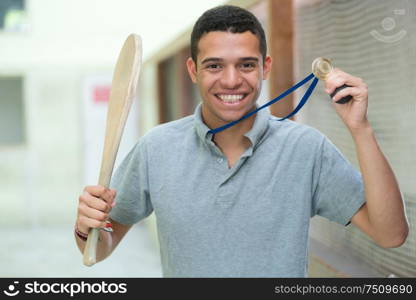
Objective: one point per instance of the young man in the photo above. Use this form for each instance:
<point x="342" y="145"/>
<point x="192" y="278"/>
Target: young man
<point x="238" y="203"/>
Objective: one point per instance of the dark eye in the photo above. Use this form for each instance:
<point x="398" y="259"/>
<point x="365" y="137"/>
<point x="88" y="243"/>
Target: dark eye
<point x="248" y="66"/>
<point x="213" y="66"/>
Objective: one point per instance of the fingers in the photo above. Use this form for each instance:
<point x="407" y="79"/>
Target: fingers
<point x="99" y="191"/>
<point x="89" y="217"/>
<point x="94" y="206"/>
<point x="338" y="78"/>
<point x="84" y="224"/>
<point x="354" y="92"/>
<point x="92" y="213"/>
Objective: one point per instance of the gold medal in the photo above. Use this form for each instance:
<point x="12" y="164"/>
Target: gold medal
<point x="321" y="67"/>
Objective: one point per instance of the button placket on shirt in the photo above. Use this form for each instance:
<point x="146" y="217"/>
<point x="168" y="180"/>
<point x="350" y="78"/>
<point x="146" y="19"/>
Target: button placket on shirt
<point x="227" y="191"/>
<point x="216" y="152"/>
<point x="223" y="173"/>
<point x="222" y="195"/>
<point x="225" y="195"/>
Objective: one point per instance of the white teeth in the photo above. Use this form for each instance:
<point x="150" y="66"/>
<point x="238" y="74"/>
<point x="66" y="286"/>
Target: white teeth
<point x="231" y="98"/>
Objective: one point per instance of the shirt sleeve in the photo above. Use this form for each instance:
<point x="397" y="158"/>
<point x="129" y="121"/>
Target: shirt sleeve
<point x="339" y="191"/>
<point x="131" y="183"/>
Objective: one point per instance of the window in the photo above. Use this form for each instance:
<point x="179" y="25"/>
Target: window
<point x="12" y="15"/>
<point x="12" y="130"/>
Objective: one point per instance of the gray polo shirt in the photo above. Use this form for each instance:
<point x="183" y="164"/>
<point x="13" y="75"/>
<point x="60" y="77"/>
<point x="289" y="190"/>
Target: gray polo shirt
<point x="248" y="221"/>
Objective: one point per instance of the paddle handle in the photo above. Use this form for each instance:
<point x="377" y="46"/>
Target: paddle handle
<point x="107" y="165"/>
<point x="90" y="256"/>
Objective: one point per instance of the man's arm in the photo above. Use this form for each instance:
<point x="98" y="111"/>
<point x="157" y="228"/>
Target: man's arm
<point x="93" y="209"/>
<point x="383" y="216"/>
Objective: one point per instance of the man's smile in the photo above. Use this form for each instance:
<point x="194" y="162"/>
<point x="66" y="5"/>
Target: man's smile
<point x="231" y="98"/>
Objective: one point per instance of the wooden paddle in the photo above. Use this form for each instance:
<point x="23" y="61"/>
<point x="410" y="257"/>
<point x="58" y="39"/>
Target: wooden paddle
<point x="123" y="90"/>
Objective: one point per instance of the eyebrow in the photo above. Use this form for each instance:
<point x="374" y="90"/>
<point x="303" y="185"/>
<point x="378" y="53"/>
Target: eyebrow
<point x="217" y="59"/>
<point x="211" y="59"/>
<point x="249" y="58"/>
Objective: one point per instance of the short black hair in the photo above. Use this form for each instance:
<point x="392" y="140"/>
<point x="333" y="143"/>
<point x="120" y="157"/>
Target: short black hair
<point x="229" y="18"/>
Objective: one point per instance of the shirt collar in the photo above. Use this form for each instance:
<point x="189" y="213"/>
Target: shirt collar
<point x="200" y="127"/>
<point x="260" y="126"/>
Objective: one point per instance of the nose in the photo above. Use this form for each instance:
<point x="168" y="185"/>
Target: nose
<point x="231" y="78"/>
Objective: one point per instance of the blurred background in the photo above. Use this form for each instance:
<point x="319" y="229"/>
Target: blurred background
<point x="56" y="63"/>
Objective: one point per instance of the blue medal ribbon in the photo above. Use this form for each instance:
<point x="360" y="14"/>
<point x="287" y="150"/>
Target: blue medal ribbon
<point x="281" y="96"/>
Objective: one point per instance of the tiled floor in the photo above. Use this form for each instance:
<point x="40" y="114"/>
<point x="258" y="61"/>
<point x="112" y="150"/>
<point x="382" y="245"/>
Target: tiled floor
<point x="51" y="252"/>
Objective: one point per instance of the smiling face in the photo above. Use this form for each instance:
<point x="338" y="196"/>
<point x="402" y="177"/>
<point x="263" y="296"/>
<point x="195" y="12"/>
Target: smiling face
<point x="229" y="74"/>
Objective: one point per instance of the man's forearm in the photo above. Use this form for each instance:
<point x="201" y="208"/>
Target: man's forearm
<point x="384" y="201"/>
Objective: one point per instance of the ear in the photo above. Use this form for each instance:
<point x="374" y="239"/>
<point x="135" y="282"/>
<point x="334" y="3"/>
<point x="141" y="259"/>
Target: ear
<point x="191" y="66"/>
<point x="267" y="66"/>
